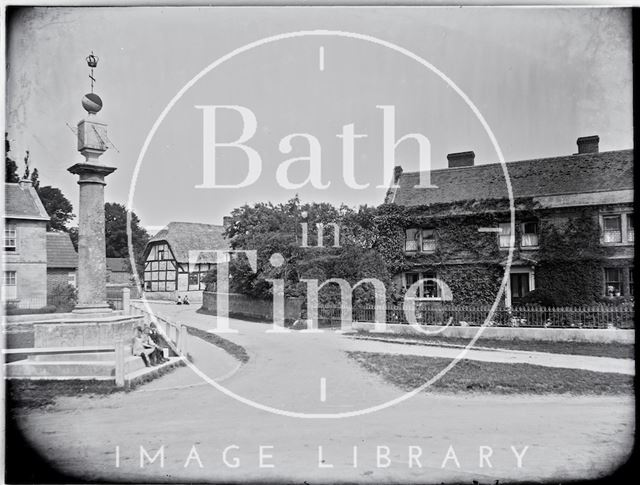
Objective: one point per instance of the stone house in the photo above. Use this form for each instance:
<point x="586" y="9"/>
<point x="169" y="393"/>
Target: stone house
<point x="62" y="261"/>
<point x="574" y="229"/>
<point x="119" y="271"/>
<point x="25" y="247"/>
<point x="167" y="272"/>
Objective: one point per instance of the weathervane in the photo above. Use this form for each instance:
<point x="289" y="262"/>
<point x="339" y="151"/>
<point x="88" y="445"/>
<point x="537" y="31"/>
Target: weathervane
<point x="91" y="101"/>
<point x="92" y="62"/>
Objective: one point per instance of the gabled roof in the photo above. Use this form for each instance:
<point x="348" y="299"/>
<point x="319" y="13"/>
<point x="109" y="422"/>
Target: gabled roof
<point x="573" y="174"/>
<point x="190" y="236"/>
<point x="60" y="251"/>
<point x="21" y="201"/>
<point x="119" y="265"/>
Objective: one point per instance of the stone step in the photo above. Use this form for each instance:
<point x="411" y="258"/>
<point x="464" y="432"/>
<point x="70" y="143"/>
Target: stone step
<point x="69" y="368"/>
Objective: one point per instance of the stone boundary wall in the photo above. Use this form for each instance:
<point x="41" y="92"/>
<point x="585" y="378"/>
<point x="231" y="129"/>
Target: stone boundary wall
<point x="254" y="308"/>
<point x="509" y="333"/>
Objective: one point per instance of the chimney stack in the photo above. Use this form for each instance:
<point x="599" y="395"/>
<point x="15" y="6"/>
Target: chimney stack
<point x="397" y="171"/>
<point x="588" y="144"/>
<point x="461" y="159"/>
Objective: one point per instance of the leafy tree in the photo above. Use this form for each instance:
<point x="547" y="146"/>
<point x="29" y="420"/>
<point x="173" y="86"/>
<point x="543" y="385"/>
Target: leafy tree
<point x="10" y="166"/>
<point x="57" y="206"/>
<point x="116" y="234"/>
<point x="270" y="229"/>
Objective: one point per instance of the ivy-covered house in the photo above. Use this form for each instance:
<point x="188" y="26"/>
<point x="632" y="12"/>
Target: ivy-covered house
<point x="573" y="229"/>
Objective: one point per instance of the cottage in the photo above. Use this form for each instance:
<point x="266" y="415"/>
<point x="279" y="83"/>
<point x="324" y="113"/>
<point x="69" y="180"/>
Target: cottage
<point x="62" y="261"/>
<point x="119" y="272"/>
<point x="167" y="272"/>
<point x="573" y="233"/>
<point x="25" y="247"/>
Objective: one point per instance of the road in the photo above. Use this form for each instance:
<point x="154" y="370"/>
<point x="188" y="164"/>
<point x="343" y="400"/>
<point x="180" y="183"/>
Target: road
<point x="567" y="437"/>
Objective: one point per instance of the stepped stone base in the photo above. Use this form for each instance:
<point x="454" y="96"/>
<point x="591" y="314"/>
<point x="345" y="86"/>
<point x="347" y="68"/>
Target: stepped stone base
<point x="72" y="367"/>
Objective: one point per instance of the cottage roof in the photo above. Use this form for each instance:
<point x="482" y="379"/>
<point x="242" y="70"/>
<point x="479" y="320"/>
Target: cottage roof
<point x="60" y="251"/>
<point x="118" y="265"/>
<point x="190" y="236"/>
<point x="573" y="174"/>
<point x="21" y="201"/>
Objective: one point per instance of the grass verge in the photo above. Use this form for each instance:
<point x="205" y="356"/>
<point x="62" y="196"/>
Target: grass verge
<point x="614" y="350"/>
<point x="410" y="371"/>
<point x="228" y="346"/>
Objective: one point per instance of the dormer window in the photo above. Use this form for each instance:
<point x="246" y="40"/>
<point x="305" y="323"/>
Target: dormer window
<point x="420" y="240"/>
<point x="529" y="234"/>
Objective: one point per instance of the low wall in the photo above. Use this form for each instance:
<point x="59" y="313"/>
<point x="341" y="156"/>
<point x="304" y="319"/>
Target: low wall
<point x="510" y="333"/>
<point x="100" y="331"/>
<point x="254" y="308"/>
<point x="195" y="296"/>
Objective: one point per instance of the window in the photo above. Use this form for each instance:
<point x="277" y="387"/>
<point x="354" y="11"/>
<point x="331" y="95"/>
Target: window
<point x="420" y="240"/>
<point x="428" y="240"/>
<point x="612" y="229"/>
<point x="630" y="237"/>
<point x="71" y="278"/>
<point x="504" y="234"/>
<point x="428" y="289"/>
<point x="519" y="284"/>
<point x="613" y="281"/>
<point x="193" y="279"/>
<point x="631" y="293"/>
<point x="529" y="234"/>
<point x="161" y="253"/>
<point x="411" y="240"/>
<point x="10" y="285"/>
<point x="9" y="238"/>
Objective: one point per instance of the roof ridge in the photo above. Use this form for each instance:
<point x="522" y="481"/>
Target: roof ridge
<point x="513" y="162"/>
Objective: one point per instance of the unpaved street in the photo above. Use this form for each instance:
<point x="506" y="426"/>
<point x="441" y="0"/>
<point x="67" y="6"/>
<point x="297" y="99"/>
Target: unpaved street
<point x="420" y="439"/>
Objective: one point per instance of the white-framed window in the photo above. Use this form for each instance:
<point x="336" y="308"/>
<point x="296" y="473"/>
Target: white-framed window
<point x="423" y="240"/>
<point x="10" y="284"/>
<point x="71" y="278"/>
<point x="630" y="235"/>
<point x="522" y="280"/>
<point x="613" y="285"/>
<point x="428" y="289"/>
<point x="10" y="238"/>
<point x="612" y="229"/>
<point x="504" y="235"/>
<point x="529" y="234"/>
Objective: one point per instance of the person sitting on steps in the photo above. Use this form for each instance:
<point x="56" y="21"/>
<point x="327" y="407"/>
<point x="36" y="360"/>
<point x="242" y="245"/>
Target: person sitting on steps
<point x="179" y="302"/>
<point x="185" y="300"/>
<point x="139" y="347"/>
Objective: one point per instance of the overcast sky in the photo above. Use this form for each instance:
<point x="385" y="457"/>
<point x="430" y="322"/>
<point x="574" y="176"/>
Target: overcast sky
<point x="540" y="77"/>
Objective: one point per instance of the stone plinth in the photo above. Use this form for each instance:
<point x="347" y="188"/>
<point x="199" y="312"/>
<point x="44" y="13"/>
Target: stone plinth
<point x="92" y="262"/>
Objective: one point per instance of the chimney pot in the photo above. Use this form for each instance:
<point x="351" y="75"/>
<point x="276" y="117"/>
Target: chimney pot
<point x="461" y="159"/>
<point x="588" y="144"/>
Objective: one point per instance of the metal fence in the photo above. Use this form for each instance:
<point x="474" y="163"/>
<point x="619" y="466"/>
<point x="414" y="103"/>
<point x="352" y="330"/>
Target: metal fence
<point x="597" y="316"/>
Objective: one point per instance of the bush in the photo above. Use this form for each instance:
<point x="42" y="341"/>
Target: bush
<point x="14" y="310"/>
<point x="63" y="297"/>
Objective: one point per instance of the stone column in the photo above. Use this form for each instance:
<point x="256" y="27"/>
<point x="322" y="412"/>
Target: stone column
<point x="92" y="261"/>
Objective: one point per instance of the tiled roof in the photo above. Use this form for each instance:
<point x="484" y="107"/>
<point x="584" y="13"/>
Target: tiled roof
<point x="60" y="251"/>
<point x="190" y="236"/>
<point x="22" y="202"/>
<point x="118" y="265"/>
<point x="589" y="172"/>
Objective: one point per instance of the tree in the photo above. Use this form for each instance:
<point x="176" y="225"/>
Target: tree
<point x="10" y="166"/>
<point x="270" y="229"/>
<point x="35" y="179"/>
<point x="116" y="234"/>
<point x="57" y="206"/>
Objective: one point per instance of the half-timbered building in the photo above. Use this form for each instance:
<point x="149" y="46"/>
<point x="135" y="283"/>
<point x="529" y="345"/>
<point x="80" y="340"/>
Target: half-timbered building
<point x="168" y="272"/>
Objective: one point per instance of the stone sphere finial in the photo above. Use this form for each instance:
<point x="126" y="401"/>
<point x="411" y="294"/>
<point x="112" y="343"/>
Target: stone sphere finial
<point x="92" y="103"/>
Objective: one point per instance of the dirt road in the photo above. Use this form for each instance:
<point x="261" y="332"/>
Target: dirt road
<point x="422" y="439"/>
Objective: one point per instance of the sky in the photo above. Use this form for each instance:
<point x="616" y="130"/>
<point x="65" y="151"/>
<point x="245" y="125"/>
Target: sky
<point x="540" y="77"/>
